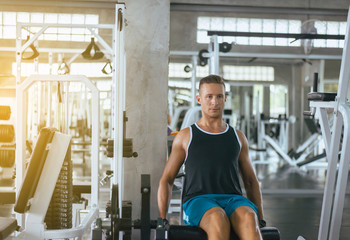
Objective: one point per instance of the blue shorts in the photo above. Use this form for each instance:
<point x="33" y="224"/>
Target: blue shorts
<point x="194" y="209"/>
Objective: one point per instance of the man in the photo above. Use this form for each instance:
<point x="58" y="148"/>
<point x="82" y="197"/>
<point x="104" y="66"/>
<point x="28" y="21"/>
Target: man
<point x="214" y="154"/>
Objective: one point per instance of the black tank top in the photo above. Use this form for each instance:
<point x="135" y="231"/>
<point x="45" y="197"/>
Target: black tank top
<point x="211" y="164"/>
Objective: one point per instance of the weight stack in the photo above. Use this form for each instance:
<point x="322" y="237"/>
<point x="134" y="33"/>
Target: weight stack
<point x="59" y="213"/>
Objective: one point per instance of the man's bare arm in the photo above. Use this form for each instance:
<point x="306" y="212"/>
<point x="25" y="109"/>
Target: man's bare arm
<point x="172" y="167"/>
<point x="249" y="178"/>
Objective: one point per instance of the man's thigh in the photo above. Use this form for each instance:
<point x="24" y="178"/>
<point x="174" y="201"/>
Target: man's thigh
<point x="194" y="209"/>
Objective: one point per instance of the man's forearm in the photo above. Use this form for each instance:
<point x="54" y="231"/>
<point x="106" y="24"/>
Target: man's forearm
<point x="164" y="196"/>
<point x="254" y="195"/>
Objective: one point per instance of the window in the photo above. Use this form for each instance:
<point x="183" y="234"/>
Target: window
<point x="268" y="26"/>
<point x="8" y="22"/>
<point x="248" y="73"/>
<point x="249" y="25"/>
<point x="176" y="70"/>
<point x="329" y="27"/>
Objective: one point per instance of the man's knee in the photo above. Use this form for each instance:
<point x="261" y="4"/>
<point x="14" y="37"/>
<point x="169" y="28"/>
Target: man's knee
<point x="215" y="218"/>
<point x="244" y="215"/>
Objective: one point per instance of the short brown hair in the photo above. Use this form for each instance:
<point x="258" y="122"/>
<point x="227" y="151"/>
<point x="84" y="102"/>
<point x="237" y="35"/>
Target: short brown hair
<point x="212" y="79"/>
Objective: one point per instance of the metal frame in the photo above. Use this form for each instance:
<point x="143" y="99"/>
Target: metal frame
<point x="332" y="207"/>
<point x="20" y="142"/>
<point x="119" y="84"/>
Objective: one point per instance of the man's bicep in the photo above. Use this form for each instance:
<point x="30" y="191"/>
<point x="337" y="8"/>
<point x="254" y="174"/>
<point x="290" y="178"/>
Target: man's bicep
<point x="175" y="160"/>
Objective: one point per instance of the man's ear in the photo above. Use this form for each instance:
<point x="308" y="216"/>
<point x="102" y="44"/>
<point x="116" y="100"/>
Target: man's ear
<point x="198" y="99"/>
<point x="225" y="97"/>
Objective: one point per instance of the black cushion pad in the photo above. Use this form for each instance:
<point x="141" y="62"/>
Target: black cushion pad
<point x="177" y="232"/>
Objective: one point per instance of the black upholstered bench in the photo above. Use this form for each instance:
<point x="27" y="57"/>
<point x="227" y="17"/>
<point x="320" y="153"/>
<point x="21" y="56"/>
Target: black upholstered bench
<point x="178" y="232"/>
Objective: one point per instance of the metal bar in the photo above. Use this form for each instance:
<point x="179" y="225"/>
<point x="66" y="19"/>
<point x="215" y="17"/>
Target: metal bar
<point x="344" y="68"/>
<point x="193" y="81"/>
<point x="191" y="7"/>
<point x="102" y="41"/>
<point x="35" y="37"/>
<point x="260" y="55"/>
<point x="343" y="173"/>
<point x="67" y="25"/>
<point x="119" y="100"/>
<point x="275" y="35"/>
<point x="325" y="129"/>
<point x="213" y="55"/>
<point x="330" y="179"/>
<point x="278" y="149"/>
<point x="73" y="232"/>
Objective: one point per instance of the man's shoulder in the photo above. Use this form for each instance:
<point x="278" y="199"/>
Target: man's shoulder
<point x="184" y="133"/>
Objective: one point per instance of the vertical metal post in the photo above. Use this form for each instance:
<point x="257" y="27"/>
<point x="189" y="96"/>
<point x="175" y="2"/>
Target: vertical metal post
<point x="119" y="106"/>
<point x="214" y="55"/>
<point x="193" y="81"/>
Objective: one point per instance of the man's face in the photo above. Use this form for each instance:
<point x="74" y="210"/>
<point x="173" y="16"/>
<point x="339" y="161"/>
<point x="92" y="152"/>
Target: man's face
<point x="212" y="99"/>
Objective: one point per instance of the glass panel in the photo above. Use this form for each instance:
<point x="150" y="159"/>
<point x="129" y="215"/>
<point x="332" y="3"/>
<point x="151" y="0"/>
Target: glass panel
<point x="78" y="38"/>
<point x="51" y="30"/>
<point x="255" y="25"/>
<point x="319" y="43"/>
<point x="342" y="28"/>
<point x="332" y="27"/>
<point x="242" y="40"/>
<point x="229" y="24"/>
<point x="36" y="18"/>
<point x="23" y="17"/>
<point x="63" y="37"/>
<point x="242" y="25"/>
<point x="294" y="26"/>
<point x="79" y="31"/>
<point x="64" y="18"/>
<point x="9" y="32"/>
<point x="321" y="27"/>
<point x="281" y="26"/>
<point x="64" y="30"/>
<point x="255" y="41"/>
<point x="203" y="23"/>
<point x="9" y="18"/>
<point x="217" y="24"/>
<point x="281" y="41"/>
<point x="78" y="19"/>
<point x="268" y="41"/>
<point x="51" y="18"/>
<point x="52" y="37"/>
<point x="0" y="17"/>
<point x="332" y="43"/>
<point x="269" y="26"/>
<point x="91" y="19"/>
<point x="202" y="36"/>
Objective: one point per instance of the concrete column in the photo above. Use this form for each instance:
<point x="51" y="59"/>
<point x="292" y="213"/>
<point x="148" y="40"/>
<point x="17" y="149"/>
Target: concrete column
<point x="147" y="51"/>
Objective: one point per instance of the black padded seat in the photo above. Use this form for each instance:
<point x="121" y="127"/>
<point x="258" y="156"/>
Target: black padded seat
<point x="321" y="96"/>
<point x="7" y="227"/>
<point x="177" y="232"/>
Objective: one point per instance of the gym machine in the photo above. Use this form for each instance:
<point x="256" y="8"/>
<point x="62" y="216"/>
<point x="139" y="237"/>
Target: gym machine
<point x="109" y="228"/>
<point x="335" y="186"/>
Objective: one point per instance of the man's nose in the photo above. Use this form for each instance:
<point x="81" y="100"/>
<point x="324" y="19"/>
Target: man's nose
<point x="214" y="101"/>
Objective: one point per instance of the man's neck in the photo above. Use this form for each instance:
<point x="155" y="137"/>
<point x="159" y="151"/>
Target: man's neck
<point x="214" y="125"/>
